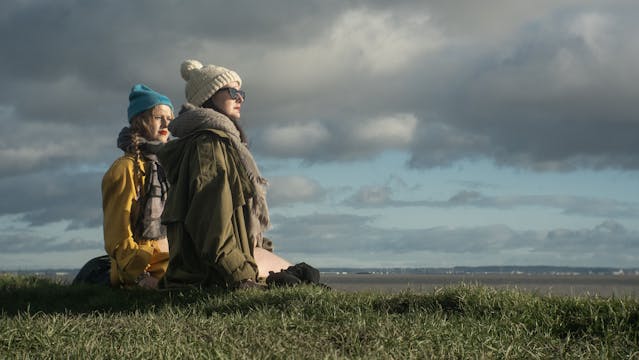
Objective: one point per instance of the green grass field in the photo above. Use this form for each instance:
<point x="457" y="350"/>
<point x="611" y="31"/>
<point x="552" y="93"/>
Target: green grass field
<point x="43" y="319"/>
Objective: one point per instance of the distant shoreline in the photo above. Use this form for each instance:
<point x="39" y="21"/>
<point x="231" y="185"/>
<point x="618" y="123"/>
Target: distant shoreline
<point x="585" y="283"/>
<point x="455" y="270"/>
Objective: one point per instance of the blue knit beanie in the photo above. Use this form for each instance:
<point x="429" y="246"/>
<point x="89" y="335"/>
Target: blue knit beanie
<point x="143" y="98"/>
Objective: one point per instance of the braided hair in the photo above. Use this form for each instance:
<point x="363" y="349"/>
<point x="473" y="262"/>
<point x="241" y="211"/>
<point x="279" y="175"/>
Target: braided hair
<point x="139" y="129"/>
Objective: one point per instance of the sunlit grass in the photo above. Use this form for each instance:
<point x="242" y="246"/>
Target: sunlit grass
<point x="44" y="319"/>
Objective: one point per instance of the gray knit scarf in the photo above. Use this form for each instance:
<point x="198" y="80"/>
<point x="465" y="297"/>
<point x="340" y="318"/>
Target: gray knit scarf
<point x="148" y="224"/>
<point x="193" y="119"/>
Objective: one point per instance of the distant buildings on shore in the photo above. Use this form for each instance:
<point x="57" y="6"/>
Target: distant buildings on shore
<point x="68" y="274"/>
<point x="504" y="270"/>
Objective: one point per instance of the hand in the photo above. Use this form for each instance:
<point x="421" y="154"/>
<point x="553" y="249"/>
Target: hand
<point x="251" y="284"/>
<point x="148" y="282"/>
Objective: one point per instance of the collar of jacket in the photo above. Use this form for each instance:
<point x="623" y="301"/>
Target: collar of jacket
<point x="193" y="118"/>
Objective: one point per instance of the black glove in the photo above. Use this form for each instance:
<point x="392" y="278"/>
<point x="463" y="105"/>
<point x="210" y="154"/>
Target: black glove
<point x="282" y="279"/>
<point x="305" y="272"/>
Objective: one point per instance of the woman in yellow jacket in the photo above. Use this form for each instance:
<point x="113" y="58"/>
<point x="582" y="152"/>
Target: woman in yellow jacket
<point x="134" y="191"/>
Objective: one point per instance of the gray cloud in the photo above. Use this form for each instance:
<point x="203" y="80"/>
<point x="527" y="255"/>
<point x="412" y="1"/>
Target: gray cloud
<point x="87" y="50"/>
<point x="345" y="239"/>
<point x="323" y="233"/>
<point x="609" y="236"/>
<point x="382" y="196"/>
<point x="25" y="242"/>
<point x="34" y="147"/>
<point x="326" y="233"/>
<point x="545" y="90"/>
<point x="349" y="240"/>
<point x="550" y="98"/>
<point x="286" y="190"/>
<point x="48" y="197"/>
<point x="549" y="86"/>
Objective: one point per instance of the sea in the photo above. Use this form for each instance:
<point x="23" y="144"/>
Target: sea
<point x="540" y="280"/>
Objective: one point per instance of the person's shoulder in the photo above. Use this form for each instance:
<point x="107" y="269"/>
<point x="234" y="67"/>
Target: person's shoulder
<point x="211" y="133"/>
<point x="121" y="166"/>
<point x="208" y="136"/>
<point x="125" y="161"/>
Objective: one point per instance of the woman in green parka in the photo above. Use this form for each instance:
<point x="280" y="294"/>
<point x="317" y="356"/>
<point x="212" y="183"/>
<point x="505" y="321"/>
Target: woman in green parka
<point x="216" y="210"/>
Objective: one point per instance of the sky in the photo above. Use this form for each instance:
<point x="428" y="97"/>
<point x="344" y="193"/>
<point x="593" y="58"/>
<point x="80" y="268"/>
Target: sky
<point x="393" y="134"/>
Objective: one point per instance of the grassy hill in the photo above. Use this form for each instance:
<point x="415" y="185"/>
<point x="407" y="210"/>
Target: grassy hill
<point x="44" y="319"/>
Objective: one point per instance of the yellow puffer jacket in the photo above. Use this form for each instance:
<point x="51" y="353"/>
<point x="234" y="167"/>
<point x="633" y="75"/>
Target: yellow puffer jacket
<point x="129" y="259"/>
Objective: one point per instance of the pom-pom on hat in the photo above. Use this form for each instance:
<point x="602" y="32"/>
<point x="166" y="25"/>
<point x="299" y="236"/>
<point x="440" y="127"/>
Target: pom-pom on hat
<point x="143" y="98"/>
<point x="202" y="81"/>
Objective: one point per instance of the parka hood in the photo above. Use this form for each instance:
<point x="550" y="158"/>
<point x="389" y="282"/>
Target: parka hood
<point x="193" y="118"/>
<point x="171" y="157"/>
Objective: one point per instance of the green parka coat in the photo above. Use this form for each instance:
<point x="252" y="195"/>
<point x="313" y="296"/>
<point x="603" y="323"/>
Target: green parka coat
<point x="206" y="212"/>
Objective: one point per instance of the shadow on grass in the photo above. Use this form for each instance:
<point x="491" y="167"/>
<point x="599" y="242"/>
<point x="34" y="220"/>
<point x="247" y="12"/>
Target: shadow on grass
<point x="561" y="316"/>
<point x="32" y="294"/>
<point x="19" y="294"/>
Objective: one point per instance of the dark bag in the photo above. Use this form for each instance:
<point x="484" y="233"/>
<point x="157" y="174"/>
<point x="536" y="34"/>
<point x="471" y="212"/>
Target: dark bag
<point x="96" y="271"/>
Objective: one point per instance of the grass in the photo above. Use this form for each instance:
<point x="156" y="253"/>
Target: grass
<point x="44" y="319"/>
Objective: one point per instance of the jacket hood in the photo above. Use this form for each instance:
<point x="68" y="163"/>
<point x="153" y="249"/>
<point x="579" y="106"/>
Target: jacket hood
<point x="193" y="118"/>
<point x="171" y="157"/>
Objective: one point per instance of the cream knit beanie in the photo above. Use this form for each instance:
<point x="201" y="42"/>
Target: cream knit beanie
<point x="204" y="81"/>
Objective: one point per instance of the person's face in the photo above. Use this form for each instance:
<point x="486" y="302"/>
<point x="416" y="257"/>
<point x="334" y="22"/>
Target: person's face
<point x="157" y="123"/>
<point x="226" y="104"/>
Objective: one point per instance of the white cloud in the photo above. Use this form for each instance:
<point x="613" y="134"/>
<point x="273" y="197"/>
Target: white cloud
<point x="360" y="41"/>
<point x="339" y="139"/>
<point x="383" y="41"/>
<point x="285" y="190"/>
<point x="593" y="28"/>
<point x="388" y="132"/>
<point x="296" y="139"/>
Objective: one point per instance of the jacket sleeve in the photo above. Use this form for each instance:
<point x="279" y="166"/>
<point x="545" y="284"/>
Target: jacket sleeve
<point x="118" y="197"/>
<point x="219" y="235"/>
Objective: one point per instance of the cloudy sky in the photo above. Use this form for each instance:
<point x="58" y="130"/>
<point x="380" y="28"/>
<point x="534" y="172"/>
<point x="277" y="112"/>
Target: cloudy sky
<point x="403" y="133"/>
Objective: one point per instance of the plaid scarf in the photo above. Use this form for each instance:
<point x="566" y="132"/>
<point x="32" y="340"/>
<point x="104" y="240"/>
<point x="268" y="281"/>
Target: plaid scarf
<point x="148" y="224"/>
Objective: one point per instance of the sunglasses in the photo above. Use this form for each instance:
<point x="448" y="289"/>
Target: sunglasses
<point x="235" y="93"/>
